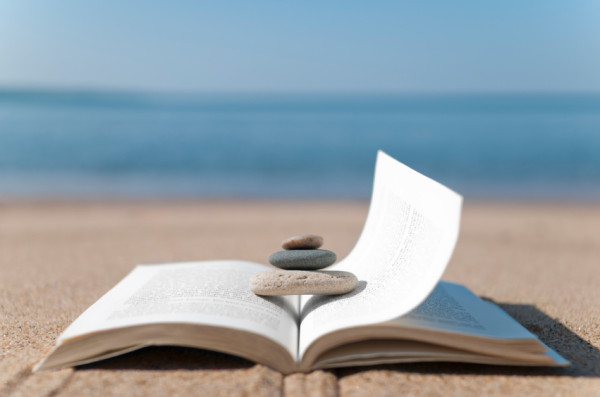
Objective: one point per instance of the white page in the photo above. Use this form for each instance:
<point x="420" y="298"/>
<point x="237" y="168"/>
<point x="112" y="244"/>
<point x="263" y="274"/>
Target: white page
<point x="453" y="308"/>
<point x="212" y="293"/>
<point x="407" y="241"/>
<point x="456" y="310"/>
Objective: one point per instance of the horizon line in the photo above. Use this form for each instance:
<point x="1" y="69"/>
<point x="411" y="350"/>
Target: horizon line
<point x="49" y="89"/>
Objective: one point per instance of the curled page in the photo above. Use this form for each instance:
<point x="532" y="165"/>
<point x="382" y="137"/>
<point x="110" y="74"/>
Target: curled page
<point x="406" y="243"/>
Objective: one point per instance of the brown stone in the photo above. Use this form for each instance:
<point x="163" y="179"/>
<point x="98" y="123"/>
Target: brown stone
<point x="302" y="242"/>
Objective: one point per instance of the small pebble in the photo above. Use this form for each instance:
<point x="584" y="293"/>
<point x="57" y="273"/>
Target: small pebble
<point x="300" y="282"/>
<point x="302" y="242"/>
<point x="302" y="259"/>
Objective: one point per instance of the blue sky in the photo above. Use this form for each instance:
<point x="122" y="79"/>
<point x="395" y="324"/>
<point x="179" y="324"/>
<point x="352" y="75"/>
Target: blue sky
<point x="320" y="46"/>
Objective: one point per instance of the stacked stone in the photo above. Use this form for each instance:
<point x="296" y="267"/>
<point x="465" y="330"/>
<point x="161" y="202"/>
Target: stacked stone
<point x="301" y="273"/>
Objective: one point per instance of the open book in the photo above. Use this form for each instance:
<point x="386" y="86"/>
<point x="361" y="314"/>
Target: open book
<point x="399" y="312"/>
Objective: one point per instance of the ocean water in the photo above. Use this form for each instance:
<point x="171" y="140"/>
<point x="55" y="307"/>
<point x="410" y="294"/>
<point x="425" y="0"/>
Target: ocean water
<point x="100" y="144"/>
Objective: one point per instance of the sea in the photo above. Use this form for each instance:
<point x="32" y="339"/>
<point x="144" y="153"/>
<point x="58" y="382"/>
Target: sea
<point x="99" y="144"/>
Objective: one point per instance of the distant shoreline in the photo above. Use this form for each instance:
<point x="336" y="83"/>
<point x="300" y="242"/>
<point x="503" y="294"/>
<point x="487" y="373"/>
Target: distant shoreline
<point x="379" y="102"/>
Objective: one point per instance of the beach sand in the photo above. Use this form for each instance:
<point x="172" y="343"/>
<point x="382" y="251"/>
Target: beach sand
<point x="539" y="262"/>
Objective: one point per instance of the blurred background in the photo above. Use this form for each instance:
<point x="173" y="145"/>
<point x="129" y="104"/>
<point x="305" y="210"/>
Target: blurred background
<point x="269" y="99"/>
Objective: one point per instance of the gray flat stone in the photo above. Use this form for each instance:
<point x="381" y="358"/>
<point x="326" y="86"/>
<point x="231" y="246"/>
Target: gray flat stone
<point x="302" y="259"/>
<point x="302" y="242"/>
<point x="302" y="282"/>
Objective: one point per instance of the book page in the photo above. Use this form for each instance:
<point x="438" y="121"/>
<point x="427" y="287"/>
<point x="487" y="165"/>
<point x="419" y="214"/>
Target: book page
<point x="451" y="324"/>
<point x="453" y="308"/>
<point x="407" y="241"/>
<point x="212" y="293"/>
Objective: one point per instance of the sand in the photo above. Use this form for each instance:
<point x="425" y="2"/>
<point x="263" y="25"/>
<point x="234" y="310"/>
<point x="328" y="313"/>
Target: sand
<point x="539" y="262"/>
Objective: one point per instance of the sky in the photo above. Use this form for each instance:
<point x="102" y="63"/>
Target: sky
<point x="305" y="46"/>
